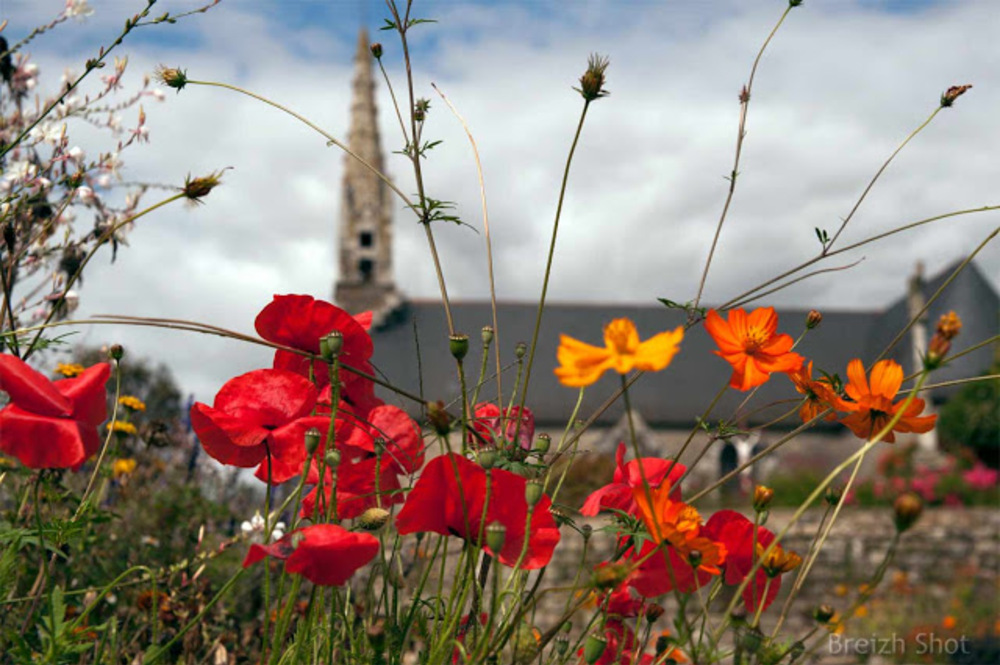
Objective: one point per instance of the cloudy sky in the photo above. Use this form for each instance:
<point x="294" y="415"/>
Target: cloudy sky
<point x="843" y="82"/>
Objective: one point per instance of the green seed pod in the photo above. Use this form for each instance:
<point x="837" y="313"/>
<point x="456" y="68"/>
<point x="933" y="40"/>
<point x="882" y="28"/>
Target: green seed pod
<point x="593" y="648"/>
<point x="312" y="439"/>
<point x="533" y="492"/>
<point x="458" y="345"/>
<point x="496" y="534"/>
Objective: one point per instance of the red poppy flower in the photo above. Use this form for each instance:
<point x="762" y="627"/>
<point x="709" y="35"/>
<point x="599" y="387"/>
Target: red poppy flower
<point x="358" y="489"/>
<point x="326" y="554"/>
<point x="255" y="411"/>
<point x="51" y="425"/>
<point x="872" y="408"/>
<point x="300" y="321"/>
<point x="487" y="424"/>
<point x="449" y="499"/>
<point x="736" y="532"/>
<point x="403" y="446"/>
<point x="617" y="495"/>
<point x="750" y="344"/>
<point x="653" y="578"/>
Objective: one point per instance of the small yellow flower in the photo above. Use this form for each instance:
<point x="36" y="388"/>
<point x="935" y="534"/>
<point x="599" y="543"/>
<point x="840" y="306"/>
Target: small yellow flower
<point x="132" y="403"/>
<point x="121" y="427"/>
<point x="861" y="612"/>
<point x="840" y="590"/>
<point x="581" y="364"/>
<point x="69" y="370"/>
<point x="122" y="467"/>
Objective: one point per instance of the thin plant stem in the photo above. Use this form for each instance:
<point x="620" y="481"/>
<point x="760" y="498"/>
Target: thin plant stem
<point x="551" y="255"/>
<point x="740" y="135"/>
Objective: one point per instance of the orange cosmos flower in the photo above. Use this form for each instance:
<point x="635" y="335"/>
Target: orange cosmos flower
<point x="819" y="394"/>
<point x="750" y="345"/>
<point x="872" y="408"/>
<point x="581" y="364"/>
<point x="679" y="524"/>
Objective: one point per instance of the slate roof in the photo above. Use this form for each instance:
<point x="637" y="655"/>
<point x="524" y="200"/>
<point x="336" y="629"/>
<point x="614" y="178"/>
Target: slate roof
<point x="677" y="395"/>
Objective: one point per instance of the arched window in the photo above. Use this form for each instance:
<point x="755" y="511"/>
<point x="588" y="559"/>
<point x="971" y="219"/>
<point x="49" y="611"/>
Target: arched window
<point x="367" y="268"/>
<point x="366" y="239"/>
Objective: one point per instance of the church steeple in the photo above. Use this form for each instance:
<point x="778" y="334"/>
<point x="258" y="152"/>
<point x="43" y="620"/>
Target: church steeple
<point x="365" y="280"/>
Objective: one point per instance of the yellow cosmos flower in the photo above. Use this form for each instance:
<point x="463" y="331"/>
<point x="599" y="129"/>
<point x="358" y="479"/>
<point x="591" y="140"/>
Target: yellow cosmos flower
<point x="121" y="427"/>
<point x="132" y="403"/>
<point x="69" y="370"/>
<point x="581" y="364"/>
<point x="122" y="467"/>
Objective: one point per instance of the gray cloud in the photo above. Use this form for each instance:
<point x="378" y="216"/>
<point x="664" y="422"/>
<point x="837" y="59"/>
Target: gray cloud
<point x="836" y="92"/>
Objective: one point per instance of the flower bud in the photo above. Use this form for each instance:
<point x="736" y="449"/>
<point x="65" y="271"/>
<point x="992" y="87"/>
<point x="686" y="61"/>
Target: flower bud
<point x="331" y="344"/>
<point x="949" y="325"/>
<point x="496" y="534"/>
<point x="172" y="77"/>
<point x="833" y="494"/>
<point x="592" y="81"/>
<point x="953" y="93"/>
<point x="487" y="335"/>
<point x="654" y="612"/>
<point x="373" y="519"/>
<point x="332" y="458"/>
<point x="823" y="613"/>
<point x="520" y="350"/>
<point x="593" y="648"/>
<point x="458" y="345"/>
<point x="533" y="492"/>
<point x="907" y="508"/>
<point x="586" y="531"/>
<point x="420" y="109"/>
<point x="543" y="443"/>
<point x="937" y="349"/>
<point x="813" y="319"/>
<point x="562" y="645"/>
<point x="488" y="458"/>
<point x="116" y="352"/>
<point x="762" y="498"/>
<point x="752" y="640"/>
<point x="438" y="418"/>
<point x="694" y="558"/>
<point x="376" y="49"/>
<point x="312" y="439"/>
<point x="196" y="189"/>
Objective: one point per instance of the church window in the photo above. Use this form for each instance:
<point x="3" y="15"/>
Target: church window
<point x="366" y="267"/>
<point x="366" y="239"/>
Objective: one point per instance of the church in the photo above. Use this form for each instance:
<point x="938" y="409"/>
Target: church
<point x="665" y="404"/>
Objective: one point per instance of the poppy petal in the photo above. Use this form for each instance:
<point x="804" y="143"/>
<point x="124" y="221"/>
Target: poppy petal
<point x="30" y="390"/>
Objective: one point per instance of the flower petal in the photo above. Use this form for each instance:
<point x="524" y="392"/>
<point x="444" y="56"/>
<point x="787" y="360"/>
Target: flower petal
<point x="30" y="390"/>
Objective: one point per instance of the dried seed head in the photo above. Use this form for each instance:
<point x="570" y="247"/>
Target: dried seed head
<point x="197" y="188"/>
<point x="592" y="81"/>
<point x="953" y="93"/>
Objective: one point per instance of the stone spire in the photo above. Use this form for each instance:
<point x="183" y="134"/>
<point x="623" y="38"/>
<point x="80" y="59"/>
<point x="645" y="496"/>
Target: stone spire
<point x="365" y="280"/>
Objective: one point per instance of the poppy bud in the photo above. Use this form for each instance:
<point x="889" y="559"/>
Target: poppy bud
<point x="592" y="81"/>
<point x="586" y="531"/>
<point x="376" y="50"/>
<point x="533" y="492"/>
<point x="593" y="648"/>
<point x="458" y="345"/>
<point x="332" y="458"/>
<point x="487" y="335"/>
<point x="813" y="319"/>
<point x="525" y="644"/>
<point x="908" y="507"/>
<point x="794" y="3"/>
<point x="116" y="352"/>
<point x="331" y="344"/>
<point x="562" y="645"/>
<point x="762" y="498"/>
<point x="520" y="350"/>
<point x="832" y="495"/>
<point x="543" y="443"/>
<point x="694" y="558"/>
<point x="823" y="613"/>
<point x="496" y="534"/>
<point x="438" y="418"/>
<point x="953" y="93"/>
<point x="312" y="439"/>
<point x="488" y="458"/>
<point x="654" y="612"/>
<point x="373" y="519"/>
